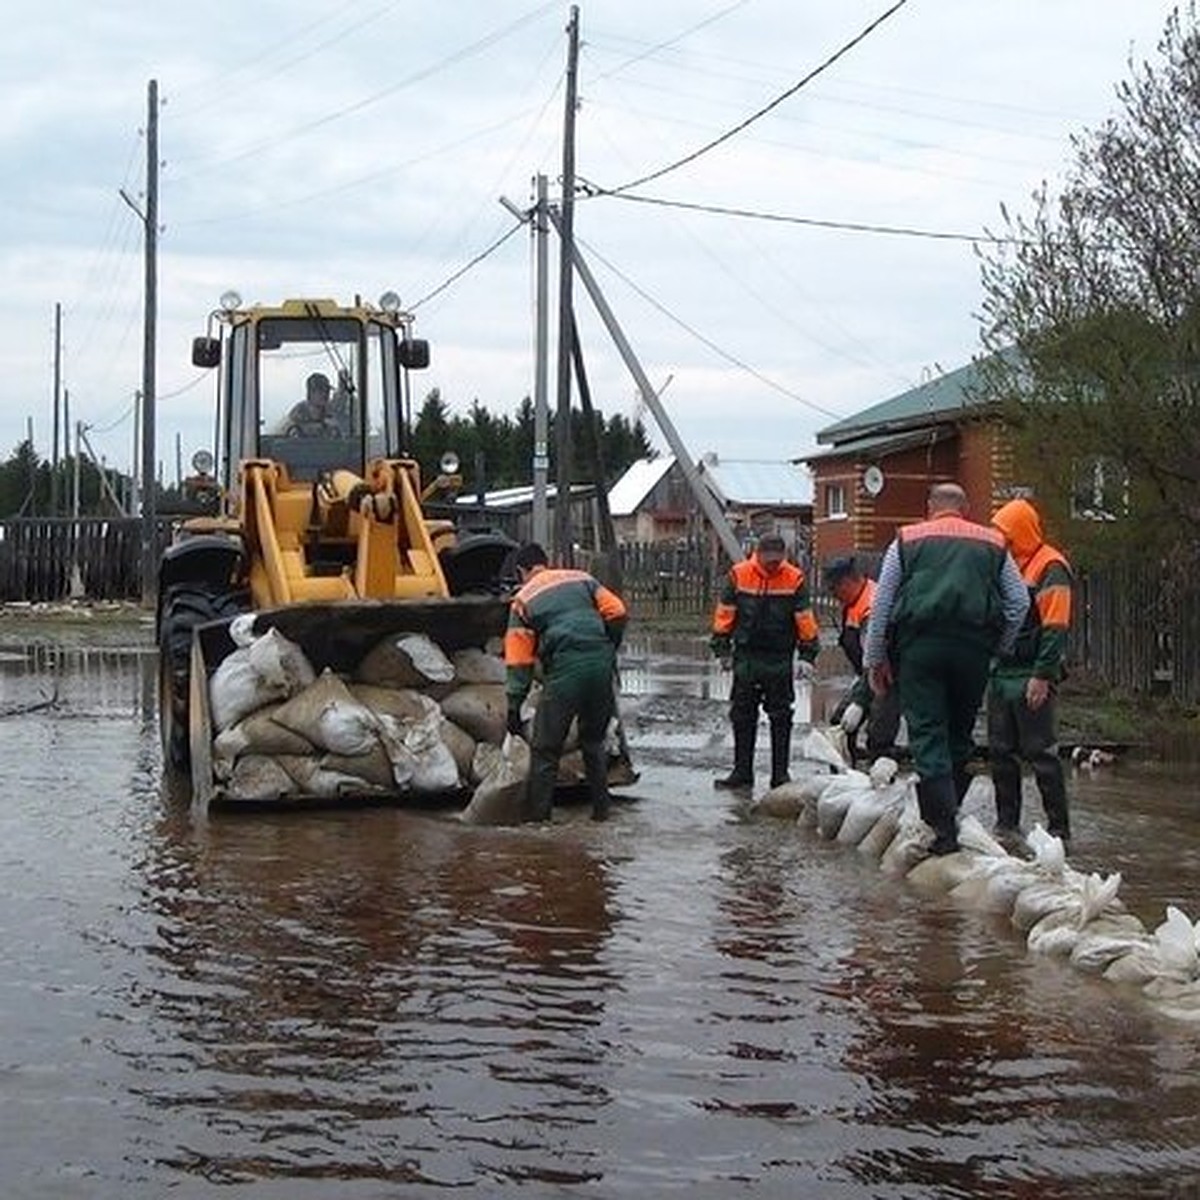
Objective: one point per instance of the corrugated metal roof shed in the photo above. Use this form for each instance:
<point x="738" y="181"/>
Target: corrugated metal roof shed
<point x="637" y="483"/>
<point x="757" y="482"/>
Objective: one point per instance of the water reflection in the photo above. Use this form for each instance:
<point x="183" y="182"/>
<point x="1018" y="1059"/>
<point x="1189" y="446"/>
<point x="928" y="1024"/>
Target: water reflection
<point x="401" y="991"/>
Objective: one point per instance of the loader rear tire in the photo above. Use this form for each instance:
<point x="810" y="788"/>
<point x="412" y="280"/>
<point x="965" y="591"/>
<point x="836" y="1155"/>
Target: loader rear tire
<point x="186" y="605"/>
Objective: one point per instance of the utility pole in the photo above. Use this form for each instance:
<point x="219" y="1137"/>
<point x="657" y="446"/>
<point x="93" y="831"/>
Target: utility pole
<point x="57" y="406"/>
<point x="541" y="413"/>
<point x="566" y="231"/>
<point x="150" y="224"/>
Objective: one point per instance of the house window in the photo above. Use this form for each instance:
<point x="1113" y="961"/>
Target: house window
<point x="835" y="500"/>
<point x="1100" y="490"/>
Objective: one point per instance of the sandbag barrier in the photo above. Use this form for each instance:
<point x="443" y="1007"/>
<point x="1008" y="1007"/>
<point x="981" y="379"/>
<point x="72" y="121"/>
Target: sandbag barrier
<point x="411" y="721"/>
<point x="1059" y="911"/>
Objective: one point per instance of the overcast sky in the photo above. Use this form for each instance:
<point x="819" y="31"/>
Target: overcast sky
<point x="330" y="148"/>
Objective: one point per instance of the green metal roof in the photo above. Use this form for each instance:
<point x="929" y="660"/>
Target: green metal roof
<point x="941" y="399"/>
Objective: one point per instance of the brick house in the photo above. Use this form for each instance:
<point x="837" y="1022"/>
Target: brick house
<point x="876" y="472"/>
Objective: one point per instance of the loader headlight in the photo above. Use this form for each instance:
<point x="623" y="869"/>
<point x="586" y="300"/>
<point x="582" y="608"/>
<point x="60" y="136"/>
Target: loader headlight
<point x="448" y="463"/>
<point x="230" y="301"/>
<point x="389" y="302"/>
<point x="202" y="462"/>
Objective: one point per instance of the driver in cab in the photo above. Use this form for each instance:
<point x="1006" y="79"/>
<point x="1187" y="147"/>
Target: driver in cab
<point x="312" y="416"/>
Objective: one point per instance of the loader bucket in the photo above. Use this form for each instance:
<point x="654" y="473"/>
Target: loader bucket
<point x="337" y="636"/>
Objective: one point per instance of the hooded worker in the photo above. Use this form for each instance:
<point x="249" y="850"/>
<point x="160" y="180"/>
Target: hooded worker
<point x="764" y="616"/>
<point x="1022" y="707"/>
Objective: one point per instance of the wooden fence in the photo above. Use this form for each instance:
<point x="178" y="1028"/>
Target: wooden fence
<point x="1129" y="629"/>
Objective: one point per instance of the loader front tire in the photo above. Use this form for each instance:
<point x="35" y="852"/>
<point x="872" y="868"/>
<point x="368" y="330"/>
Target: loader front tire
<point x="186" y="605"/>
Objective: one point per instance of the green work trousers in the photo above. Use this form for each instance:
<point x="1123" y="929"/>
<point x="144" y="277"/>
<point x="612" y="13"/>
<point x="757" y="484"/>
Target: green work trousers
<point x="941" y="680"/>
<point x="574" y="687"/>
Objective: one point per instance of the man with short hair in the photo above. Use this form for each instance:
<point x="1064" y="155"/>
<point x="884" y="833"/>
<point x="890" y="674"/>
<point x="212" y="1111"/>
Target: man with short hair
<point x="311" y="416"/>
<point x="573" y="625"/>
<point x="949" y="597"/>
<point x="1022" y="704"/>
<point x="764" y="616"/>
<point x="855" y="592"/>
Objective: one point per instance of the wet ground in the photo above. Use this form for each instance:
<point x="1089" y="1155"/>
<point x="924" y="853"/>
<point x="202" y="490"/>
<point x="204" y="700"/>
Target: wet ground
<point x="681" y="1002"/>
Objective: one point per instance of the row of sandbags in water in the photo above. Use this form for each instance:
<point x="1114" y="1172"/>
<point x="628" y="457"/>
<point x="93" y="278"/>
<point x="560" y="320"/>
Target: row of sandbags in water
<point x="1059" y="910"/>
<point x="411" y="720"/>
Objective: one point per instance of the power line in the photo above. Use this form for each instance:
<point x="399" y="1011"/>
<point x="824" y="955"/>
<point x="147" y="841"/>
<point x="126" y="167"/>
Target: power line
<point x="474" y="262"/>
<point x="729" y="133"/>
<point x="713" y="346"/>
<point x="817" y="222"/>
<point x="650" y="51"/>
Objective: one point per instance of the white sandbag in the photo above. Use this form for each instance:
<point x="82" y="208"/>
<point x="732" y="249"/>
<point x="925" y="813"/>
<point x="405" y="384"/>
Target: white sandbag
<point x="784" y="801"/>
<point x="996" y="888"/>
<point x="911" y="843"/>
<point x="571" y="771"/>
<point x="973" y="836"/>
<point x="328" y="715"/>
<point x="405" y="660"/>
<point x="373" y="769"/>
<point x="835" y="800"/>
<point x="405" y="704"/>
<point x="1056" y="933"/>
<point x="484" y="761"/>
<point x="420" y="759"/>
<point x="259" y="733"/>
<point x="500" y="797"/>
<point x="883" y="771"/>
<point x="814" y="745"/>
<point x="257" y="777"/>
<point x="314" y="778"/>
<point x="882" y="832"/>
<point x="1048" y="851"/>
<point x="241" y="629"/>
<point x="1176" y="941"/>
<point x="1139" y="964"/>
<point x="980" y="794"/>
<point x="865" y="810"/>
<point x="1039" y="899"/>
<point x="1180" y="1001"/>
<point x="460" y="744"/>
<point x="937" y="874"/>
<point x="476" y="665"/>
<point x="270" y="668"/>
<point x="479" y="708"/>
<point x="1102" y="941"/>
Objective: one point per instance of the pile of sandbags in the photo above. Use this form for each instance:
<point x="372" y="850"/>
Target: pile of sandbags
<point x="410" y="721"/>
<point x="1058" y="910"/>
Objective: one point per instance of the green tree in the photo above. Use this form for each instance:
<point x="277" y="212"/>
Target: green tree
<point x="1094" y="309"/>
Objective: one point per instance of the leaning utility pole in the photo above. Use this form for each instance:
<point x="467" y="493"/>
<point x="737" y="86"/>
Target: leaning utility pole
<point x="566" y="226"/>
<point x="150" y="224"/>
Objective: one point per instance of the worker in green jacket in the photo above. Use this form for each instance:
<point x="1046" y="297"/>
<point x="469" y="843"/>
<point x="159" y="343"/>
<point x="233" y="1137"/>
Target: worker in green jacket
<point x="1022" y="702"/>
<point x="948" y="598"/>
<point x="763" y="617"/>
<point x="570" y="623"/>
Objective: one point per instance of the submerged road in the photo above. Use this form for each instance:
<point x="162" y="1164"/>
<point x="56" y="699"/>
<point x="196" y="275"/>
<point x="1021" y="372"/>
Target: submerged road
<point x="386" y="1003"/>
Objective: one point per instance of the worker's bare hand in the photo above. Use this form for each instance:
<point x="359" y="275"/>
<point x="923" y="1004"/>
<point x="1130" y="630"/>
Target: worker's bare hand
<point x="1037" y="692"/>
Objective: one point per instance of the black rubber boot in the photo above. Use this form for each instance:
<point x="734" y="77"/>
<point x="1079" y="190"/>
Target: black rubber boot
<point x="595" y="765"/>
<point x="1052" y="785"/>
<point x="939" y="810"/>
<point x="781" y="751"/>
<point x="962" y="784"/>
<point x="742" y="775"/>
<point x="1006" y="779"/>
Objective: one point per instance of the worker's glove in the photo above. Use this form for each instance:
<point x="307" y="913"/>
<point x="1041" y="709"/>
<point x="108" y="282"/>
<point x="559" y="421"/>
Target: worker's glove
<point x="806" y="672"/>
<point x="515" y="723"/>
<point x="852" y="718"/>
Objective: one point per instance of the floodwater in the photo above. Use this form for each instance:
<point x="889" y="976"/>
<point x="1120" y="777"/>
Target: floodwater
<point x="382" y="1003"/>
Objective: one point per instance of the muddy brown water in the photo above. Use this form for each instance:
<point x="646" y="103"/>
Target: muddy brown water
<point x="381" y="1003"/>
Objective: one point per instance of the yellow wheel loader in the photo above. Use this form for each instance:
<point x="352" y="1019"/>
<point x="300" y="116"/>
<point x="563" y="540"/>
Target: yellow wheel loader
<point x="318" y="529"/>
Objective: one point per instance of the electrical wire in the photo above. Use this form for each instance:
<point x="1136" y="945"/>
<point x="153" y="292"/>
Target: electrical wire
<point x="712" y="345"/>
<point x="745" y="124"/>
<point x="658" y="47"/>
<point x="783" y="218"/>
<point x="474" y="262"/>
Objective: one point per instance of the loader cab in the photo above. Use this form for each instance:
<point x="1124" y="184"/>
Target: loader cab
<point x="312" y="385"/>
